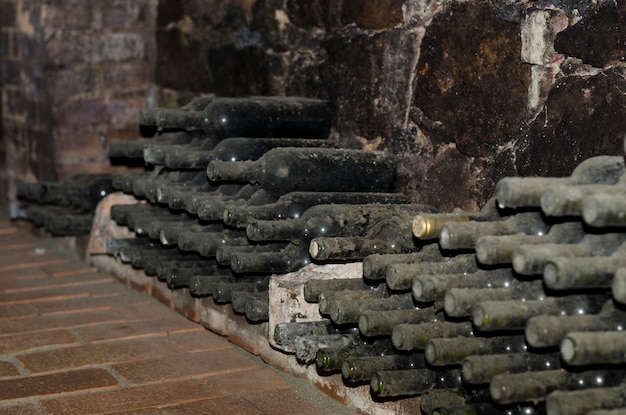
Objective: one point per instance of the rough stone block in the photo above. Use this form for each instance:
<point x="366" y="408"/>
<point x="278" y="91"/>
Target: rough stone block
<point x="538" y="31"/>
<point x="287" y="303"/>
<point x="117" y="47"/>
<point x="373" y="14"/>
<point x="127" y="77"/>
<point x="103" y="227"/>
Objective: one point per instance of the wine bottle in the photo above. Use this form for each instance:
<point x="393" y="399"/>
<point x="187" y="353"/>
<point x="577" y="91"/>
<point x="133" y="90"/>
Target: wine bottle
<point x="170" y="232"/>
<point x="498" y="249"/>
<point x="349" y="312"/>
<point x="618" y="286"/>
<point x="331" y="358"/>
<point x="313" y="288"/>
<point x="458" y="302"/>
<point x="285" y="334"/>
<point x="133" y="149"/>
<point x="401" y="276"/>
<point x="293" y="205"/>
<point x="80" y="191"/>
<point x="464" y="235"/>
<point x="512" y="315"/>
<point x="329" y="220"/>
<point x="284" y="170"/>
<point x="288" y="259"/>
<point x="223" y="291"/>
<point x="224" y="193"/>
<point x="597" y="347"/>
<point x="428" y="287"/>
<point x="443" y="398"/>
<point x="124" y="180"/>
<point x="453" y="350"/>
<point x="564" y="200"/>
<point x="481" y="369"/>
<point x="381" y="323"/>
<point x="181" y="277"/>
<point x="428" y="225"/>
<point x="548" y="331"/>
<point x="605" y="210"/>
<point x="247" y="117"/>
<point x="391" y="383"/>
<point x="257" y="305"/>
<point x="307" y="346"/>
<point x="489" y="409"/>
<point x="173" y="193"/>
<point x="416" y="336"/>
<point x="202" y="285"/>
<point x="114" y="246"/>
<point x="535" y="386"/>
<point x="327" y="298"/>
<point x="225" y="253"/>
<point x="119" y="213"/>
<point x="207" y="244"/>
<point x="581" y="402"/>
<point x="515" y="192"/>
<point x="531" y="259"/>
<point x="234" y="149"/>
<point x="359" y="369"/>
<point x="391" y="236"/>
<point x="59" y="222"/>
<point x="215" y="209"/>
<point x="563" y="273"/>
<point x="375" y="266"/>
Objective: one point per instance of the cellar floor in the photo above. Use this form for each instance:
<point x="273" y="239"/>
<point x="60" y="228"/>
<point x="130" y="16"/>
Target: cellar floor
<point x="76" y="341"/>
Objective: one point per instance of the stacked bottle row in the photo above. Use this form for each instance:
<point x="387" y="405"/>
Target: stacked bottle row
<point x="516" y="309"/>
<point x="234" y="210"/>
<point x="66" y="207"/>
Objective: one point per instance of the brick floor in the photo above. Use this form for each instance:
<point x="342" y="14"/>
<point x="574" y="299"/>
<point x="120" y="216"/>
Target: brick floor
<point x="76" y="342"/>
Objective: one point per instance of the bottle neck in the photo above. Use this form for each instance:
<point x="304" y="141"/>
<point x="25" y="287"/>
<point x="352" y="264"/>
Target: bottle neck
<point x="241" y="171"/>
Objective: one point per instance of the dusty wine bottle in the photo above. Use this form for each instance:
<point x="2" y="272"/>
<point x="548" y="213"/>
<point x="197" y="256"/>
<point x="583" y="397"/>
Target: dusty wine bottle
<point x="515" y="192"/>
<point x="416" y="336"/>
<point x="458" y="302"/>
<point x="257" y="305"/>
<point x="453" y="350"/>
<point x="313" y="288"/>
<point x="564" y="200"/>
<point x="581" y="402"/>
<point x="443" y="398"/>
<point x="464" y="235"/>
<point x="284" y="170"/>
<point x="286" y="333"/>
<point x="428" y="225"/>
<point x="498" y="249"/>
<point x="375" y="266"/>
<point x="401" y="276"/>
<point x="225" y="191"/>
<point x="331" y="358"/>
<point x="605" y="210"/>
<point x="133" y="149"/>
<point x="512" y="315"/>
<point x="481" y="369"/>
<point x="618" y="286"/>
<point x="381" y="323"/>
<point x="412" y="382"/>
<point x="359" y="369"/>
<point x="391" y="236"/>
<point x="235" y="149"/>
<point x="535" y="386"/>
<point x="288" y="259"/>
<point x="531" y="259"/>
<point x="598" y="347"/>
<point x="349" y="312"/>
<point x="293" y="205"/>
<point x="434" y="287"/>
<point x="207" y="244"/>
<point x="307" y="346"/>
<point x="563" y="273"/>
<point x="214" y="210"/>
<point x="225" y="253"/>
<point x="327" y="298"/>
<point x="247" y="117"/>
<point x="201" y="285"/>
<point x="223" y="291"/>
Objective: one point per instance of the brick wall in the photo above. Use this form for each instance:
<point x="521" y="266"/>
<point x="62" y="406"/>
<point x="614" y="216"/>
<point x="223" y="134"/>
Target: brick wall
<point x="75" y="74"/>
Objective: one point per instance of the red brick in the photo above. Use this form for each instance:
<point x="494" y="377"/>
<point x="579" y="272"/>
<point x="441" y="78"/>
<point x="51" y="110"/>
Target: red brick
<point x="58" y="293"/>
<point x="97" y="353"/>
<point x="27" y="341"/>
<point x="7" y="369"/>
<point x="20" y="409"/>
<point x="185" y="366"/>
<point x="56" y="321"/>
<point x="133" y="329"/>
<point x="200" y="341"/>
<point x="55" y="282"/>
<point x="281" y="402"/>
<point x="31" y="273"/>
<point x="17" y="310"/>
<point x="225" y="405"/>
<point x="130" y="399"/>
<point x="254" y="380"/>
<point x="69" y="268"/>
<point x="20" y="263"/>
<point x="56" y="383"/>
<point x="82" y="304"/>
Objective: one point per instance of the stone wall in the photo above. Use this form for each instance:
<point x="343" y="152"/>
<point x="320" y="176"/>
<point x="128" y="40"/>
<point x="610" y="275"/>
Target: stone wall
<point x="464" y="92"/>
<point x="75" y="74"/>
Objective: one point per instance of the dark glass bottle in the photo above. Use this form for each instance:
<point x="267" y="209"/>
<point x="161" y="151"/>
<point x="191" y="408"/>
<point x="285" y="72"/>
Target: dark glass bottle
<point x="401" y="276"/>
<point x="223" y="291"/>
<point x="531" y="259"/>
<point x="247" y="117"/>
<point x="284" y="170"/>
<point x="349" y="312"/>
<point x="225" y="253"/>
<point x="453" y="350"/>
<point x="306" y="347"/>
<point x="133" y="149"/>
<point x="605" y="210"/>
<point x="313" y="288"/>
<point x="214" y="210"/>
<point x="224" y="194"/>
<point x="514" y="192"/>
<point x="412" y="382"/>
<point x="257" y="305"/>
<point x="207" y="244"/>
<point x="293" y="205"/>
<point x="331" y="358"/>
<point x="427" y="287"/>
<point x="381" y="323"/>
<point x="359" y="369"/>
<point x="582" y="402"/>
<point x="464" y="235"/>
<point x="234" y="149"/>
<point x="288" y="259"/>
<point x="481" y="369"/>
<point x="563" y="273"/>
<point x="536" y="386"/>
<point x="597" y="347"/>
<point x="326" y="299"/>
<point x="375" y="266"/>
<point x="285" y="334"/>
<point x="202" y="285"/>
<point x="124" y="180"/>
<point x="416" y="336"/>
<point x="564" y="200"/>
<point x="498" y="249"/>
<point x="618" y="286"/>
<point x="443" y="398"/>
